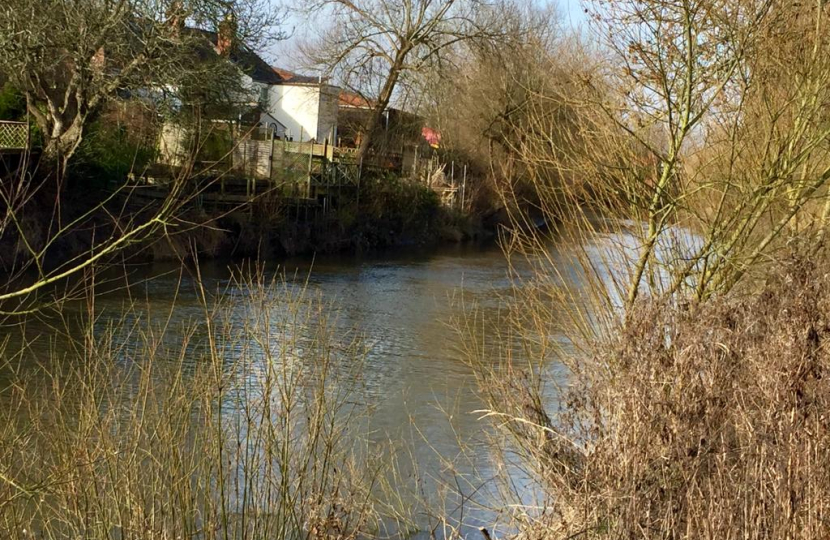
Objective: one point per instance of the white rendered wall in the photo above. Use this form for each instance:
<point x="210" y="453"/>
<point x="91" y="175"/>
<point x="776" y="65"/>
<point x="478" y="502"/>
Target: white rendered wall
<point x="307" y="111"/>
<point x="297" y="108"/>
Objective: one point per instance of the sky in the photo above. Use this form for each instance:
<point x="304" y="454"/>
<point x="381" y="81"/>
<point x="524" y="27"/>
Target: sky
<point x="284" y="53"/>
<point x="573" y="13"/>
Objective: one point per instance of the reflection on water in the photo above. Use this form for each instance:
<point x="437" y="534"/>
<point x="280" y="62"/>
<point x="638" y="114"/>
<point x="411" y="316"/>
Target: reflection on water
<point x="422" y="394"/>
<point x="400" y="307"/>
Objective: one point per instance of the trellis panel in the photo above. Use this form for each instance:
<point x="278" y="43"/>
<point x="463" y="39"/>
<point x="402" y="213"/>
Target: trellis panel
<point x="14" y="135"/>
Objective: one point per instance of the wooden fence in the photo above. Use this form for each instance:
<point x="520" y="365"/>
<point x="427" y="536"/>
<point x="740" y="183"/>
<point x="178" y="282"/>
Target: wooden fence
<point x="14" y="135"/>
<point x="294" y="162"/>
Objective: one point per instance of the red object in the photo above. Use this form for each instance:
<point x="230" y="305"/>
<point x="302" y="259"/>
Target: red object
<point x="432" y="136"/>
<point x="352" y="100"/>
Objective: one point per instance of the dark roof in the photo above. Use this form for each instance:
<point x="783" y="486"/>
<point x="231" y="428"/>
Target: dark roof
<point x="246" y="60"/>
<point x="253" y="65"/>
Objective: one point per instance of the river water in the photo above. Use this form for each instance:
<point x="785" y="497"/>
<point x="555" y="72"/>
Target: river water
<point x="423" y="396"/>
<point x="401" y="306"/>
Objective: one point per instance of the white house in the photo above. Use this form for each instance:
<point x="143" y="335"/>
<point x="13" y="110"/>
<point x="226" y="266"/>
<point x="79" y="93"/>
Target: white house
<point x="296" y="107"/>
<point x="301" y="108"/>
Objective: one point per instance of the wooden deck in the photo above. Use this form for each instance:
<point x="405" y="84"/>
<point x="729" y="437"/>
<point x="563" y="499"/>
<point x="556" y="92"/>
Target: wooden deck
<point x="219" y="192"/>
<point x="237" y="195"/>
<point x="298" y="173"/>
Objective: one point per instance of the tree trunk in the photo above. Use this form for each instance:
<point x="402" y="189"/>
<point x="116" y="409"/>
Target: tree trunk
<point x="380" y="107"/>
<point x="62" y="138"/>
<point x="57" y="152"/>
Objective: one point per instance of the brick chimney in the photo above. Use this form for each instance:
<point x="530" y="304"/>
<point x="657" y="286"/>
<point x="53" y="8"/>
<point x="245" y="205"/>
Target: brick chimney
<point x="176" y="17"/>
<point x="99" y="60"/>
<point x="226" y="35"/>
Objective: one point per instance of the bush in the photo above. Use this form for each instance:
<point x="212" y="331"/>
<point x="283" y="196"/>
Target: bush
<point x="120" y="141"/>
<point x="698" y="421"/>
<point x="12" y="103"/>
<point x="399" y="207"/>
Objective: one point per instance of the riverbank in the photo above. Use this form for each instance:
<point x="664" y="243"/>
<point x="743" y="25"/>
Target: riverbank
<point x="255" y="232"/>
<point x="385" y="214"/>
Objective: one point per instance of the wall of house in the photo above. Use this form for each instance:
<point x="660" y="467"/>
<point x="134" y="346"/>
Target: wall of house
<point x="253" y="92"/>
<point x="329" y="107"/>
<point x="172" y="144"/>
<point x="297" y="108"/>
<point x="269" y="121"/>
<point x="307" y="111"/>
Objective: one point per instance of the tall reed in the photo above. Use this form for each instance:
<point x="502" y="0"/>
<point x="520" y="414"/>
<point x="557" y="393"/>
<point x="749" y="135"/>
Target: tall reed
<point x="680" y="420"/>
<point x="244" y="424"/>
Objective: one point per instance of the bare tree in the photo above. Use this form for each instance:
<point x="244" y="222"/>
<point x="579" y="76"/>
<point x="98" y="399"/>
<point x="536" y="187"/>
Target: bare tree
<point x="706" y="116"/>
<point x="69" y="58"/>
<point x="506" y="96"/>
<point x="373" y="45"/>
<point x="708" y="152"/>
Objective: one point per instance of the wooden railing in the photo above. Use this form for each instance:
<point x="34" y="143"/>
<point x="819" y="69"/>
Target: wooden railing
<point x="14" y="135"/>
<point x="346" y="153"/>
<point x="314" y="149"/>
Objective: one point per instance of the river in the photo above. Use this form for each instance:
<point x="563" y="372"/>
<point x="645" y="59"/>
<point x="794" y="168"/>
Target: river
<point x="423" y="396"/>
<point x="401" y="306"/>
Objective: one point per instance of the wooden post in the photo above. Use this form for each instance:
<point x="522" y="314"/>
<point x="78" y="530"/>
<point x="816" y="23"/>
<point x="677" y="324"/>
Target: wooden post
<point x="429" y="173"/>
<point x="454" y="190"/>
<point x="244" y="147"/>
<point x="359" y="176"/>
<point x="310" y="161"/>
<point x="416" y="165"/>
<point x="271" y="156"/>
<point x="464" y="187"/>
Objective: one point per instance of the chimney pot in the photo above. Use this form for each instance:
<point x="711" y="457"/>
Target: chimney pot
<point x="226" y="35"/>
<point x="176" y="16"/>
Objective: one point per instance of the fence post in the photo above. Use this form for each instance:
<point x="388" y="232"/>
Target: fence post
<point x="271" y="156"/>
<point x="359" y="177"/>
<point x="464" y="188"/>
<point x="415" y="164"/>
<point x="454" y="192"/>
<point x="310" y="161"/>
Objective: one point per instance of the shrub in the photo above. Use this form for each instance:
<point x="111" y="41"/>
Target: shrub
<point x="692" y="421"/>
<point x="12" y="103"/>
<point x="109" y="153"/>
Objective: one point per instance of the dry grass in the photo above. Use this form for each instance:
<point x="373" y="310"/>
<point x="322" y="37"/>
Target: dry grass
<point x="692" y="421"/>
<point x="243" y="425"/>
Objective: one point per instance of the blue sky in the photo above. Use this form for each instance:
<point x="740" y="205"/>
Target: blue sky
<point x="284" y="53"/>
<point x="572" y="11"/>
